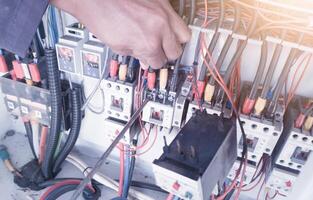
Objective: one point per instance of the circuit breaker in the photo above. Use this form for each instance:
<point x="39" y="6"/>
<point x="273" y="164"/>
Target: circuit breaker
<point x="68" y="48"/>
<point x="93" y="56"/>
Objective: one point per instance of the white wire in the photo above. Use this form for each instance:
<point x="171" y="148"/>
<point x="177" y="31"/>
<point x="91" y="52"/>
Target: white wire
<point x="107" y="181"/>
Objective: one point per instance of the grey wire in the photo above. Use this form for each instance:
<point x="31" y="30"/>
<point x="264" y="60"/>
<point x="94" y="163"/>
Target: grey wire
<point x="93" y="108"/>
<point x="97" y="86"/>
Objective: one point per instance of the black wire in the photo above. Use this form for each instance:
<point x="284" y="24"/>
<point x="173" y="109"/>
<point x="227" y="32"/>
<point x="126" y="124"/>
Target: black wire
<point x="213" y="42"/>
<point x="241" y="47"/>
<point x="147" y="186"/>
<point x="260" y="71"/>
<point x="227" y="44"/>
<point x="29" y="134"/>
<point x="293" y="55"/>
<point x="144" y="185"/>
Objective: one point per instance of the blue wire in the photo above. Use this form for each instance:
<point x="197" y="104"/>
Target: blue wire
<point x="54" y="23"/>
<point x="126" y="169"/>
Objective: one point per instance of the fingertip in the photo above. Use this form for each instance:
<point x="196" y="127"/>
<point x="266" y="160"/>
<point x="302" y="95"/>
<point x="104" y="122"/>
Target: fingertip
<point x="143" y="65"/>
<point x="185" y="35"/>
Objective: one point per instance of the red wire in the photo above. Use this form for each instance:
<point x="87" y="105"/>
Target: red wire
<point x="153" y="142"/>
<point x="256" y="184"/>
<point x="60" y="184"/>
<point x="241" y="180"/>
<point x="42" y="144"/>
<point x="272" y="197"/>
<point x="259" y="192"/>
<point x="121" y="178"/>
<point x="280" y="194"/>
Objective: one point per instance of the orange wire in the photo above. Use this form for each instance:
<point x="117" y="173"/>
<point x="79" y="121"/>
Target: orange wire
<point x="42" y="144"/>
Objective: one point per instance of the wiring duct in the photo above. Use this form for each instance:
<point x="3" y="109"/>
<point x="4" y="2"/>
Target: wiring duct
<point x="56" y="111"/>
<point x="75" y="129"/>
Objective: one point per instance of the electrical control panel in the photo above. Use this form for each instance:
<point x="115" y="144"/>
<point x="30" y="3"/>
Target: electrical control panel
<point x="204" y="144"/>
<point x="242" y="69"/>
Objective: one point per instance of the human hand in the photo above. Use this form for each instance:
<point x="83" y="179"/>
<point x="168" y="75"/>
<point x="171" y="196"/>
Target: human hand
<point x="149" y="30"/>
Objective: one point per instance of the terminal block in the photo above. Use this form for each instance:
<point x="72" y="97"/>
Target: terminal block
<point x="194" y="107"/>
<point x="68" y="48"/>
<point x="191" y="165"/>
<point x="27" y="101"/>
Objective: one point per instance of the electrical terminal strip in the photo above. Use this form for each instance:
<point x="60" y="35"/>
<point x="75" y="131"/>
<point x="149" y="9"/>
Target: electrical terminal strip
<point x="28" y="101"/>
